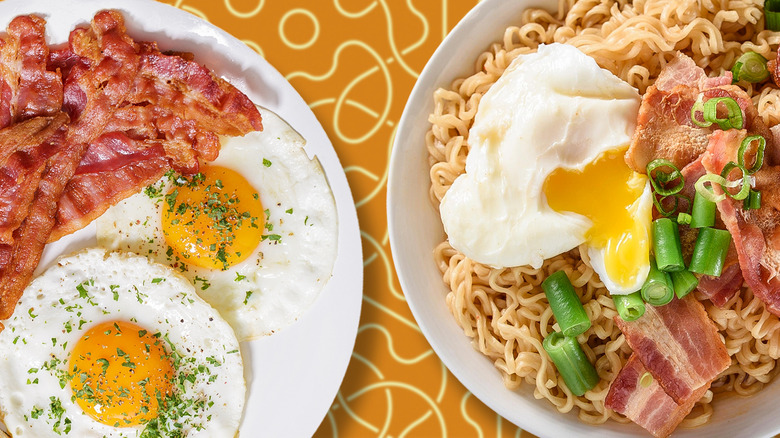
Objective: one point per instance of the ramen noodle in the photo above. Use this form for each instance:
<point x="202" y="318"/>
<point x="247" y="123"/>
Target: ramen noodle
<point x="504" y="311"/>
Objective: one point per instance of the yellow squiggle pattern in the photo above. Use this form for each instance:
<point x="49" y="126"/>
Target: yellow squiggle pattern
<point x="355" y="62"/>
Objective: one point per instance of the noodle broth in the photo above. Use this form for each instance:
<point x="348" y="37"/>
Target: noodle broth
<point x="487" y="324"/>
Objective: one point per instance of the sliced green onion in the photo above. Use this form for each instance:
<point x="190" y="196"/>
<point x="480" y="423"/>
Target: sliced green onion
<point x="659" y="179"/>
<point x="698" y="107"/>
<point x="660" y="207"/>
<point x="772" y="14"/>
<point x="646" y="380"/>
<point x="759" y="161"/>
<point x="707" y="192"/>
<point x="658" y="289"/>
<point x="703" y="211"/>
<point x="565" y="304"/>
<point x="683" y="282"/>
<point x="733" y="117"/>
<point x="753" y="201"/>
<point x="629" y="307"/>
<point x="572" y="363"/>
<point x="750" y="67"/>
<point x="743" y="181"/>
<point x="709" y="252"/>
<point x="666" y="245"/>
<point x="684" y="218"/>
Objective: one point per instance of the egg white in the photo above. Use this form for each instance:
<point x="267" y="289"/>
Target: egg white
<point x="281" y="278"/>
<point x="53" y="314"/>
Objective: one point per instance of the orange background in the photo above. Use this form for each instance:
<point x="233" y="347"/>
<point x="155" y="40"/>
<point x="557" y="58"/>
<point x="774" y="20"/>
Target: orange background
<point x="355" y="63"/>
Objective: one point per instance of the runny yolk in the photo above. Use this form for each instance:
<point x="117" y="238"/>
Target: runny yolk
<point x="215" y="220"/>
<point x="118" y="369"/>
<point x="605" y="192"/>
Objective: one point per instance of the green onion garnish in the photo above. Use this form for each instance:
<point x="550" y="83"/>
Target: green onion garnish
<point x="709" y="113"/>
<point x="683" y="282"/>
<point x="733" y="117"/>
<point x="658" y="289"/>
<point x="709" y="252"/>
<point x="750" y="67"/>
<point x="660" y="207"/>
<point x="666" y="245"/>
<point x="660" y="178"/>
<point x="565" y="304"/>
<point x="743" y="181"/>
<point x="572" y="363"/>
<point x="684" y="218"/>
<point x="629" y="307"/>
<point x="707" y="192"/>
<point x="703" y="211"/>
<point x="759" y="161"/>
<point x="753" y="200"/>
<point x="772" y="14"/>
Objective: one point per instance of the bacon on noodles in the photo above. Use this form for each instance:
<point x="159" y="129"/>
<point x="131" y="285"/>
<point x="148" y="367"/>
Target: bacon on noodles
<point x="664" y="126"/>
<point x="644" y="401"/>
<point x="756" y="233"/>
<point x="678" y="344"/>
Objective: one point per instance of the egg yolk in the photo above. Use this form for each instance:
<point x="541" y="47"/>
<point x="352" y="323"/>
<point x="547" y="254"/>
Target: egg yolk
<point x="604" y="192"/>
<point x="118" y="370"/>
<point x="215" y="220"/>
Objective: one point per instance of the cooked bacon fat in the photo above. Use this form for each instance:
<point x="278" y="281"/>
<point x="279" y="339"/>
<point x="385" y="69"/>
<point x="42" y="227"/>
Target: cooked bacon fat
<point x="679" y="345"/>
<point x="755" y="233"/>
<point x="648" y="405"/>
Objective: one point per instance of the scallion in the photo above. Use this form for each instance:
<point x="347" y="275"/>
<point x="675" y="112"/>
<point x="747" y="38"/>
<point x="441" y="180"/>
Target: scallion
<point x="698" y="107"/>
<point x="658" y="289"/>
<point x="659" y="204"/>
<point x="573" y="365"/>
<point x="703" y="211"/>
<point x="743" y="149"/>
<point x="750" y="67"/>
<point x="743" y="182"/>
<point x="683" y="282"/>
<point x="666" y="245"/>
<point x="707" y="192"/>
<point x="753" y="200"/>
<point x="660" y="178"/>
<point x="629" y="307"/>
<point x="684" y="218"/>
<point x="772" y="14"/>
<point x="709" y="252"/>
<point x="565" y="304"/>
<point x="733" y="119"/>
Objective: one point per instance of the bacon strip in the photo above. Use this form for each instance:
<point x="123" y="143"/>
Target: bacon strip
<point x="131" y="164"/>
<point x="679" y="345"/>
<point x="24" y="150"/>
<point x="648" y="406"/>
<point x="97" y="90"/>
<point x="756" y="233"/>
<point x="27" y="87"/>
<point x="664" y="125"/>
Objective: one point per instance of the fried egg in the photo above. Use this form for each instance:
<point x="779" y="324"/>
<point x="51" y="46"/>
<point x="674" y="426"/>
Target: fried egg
<point x="545" y="171"/>
<point x="255" y="231"/>
<point x="113" y="345"/>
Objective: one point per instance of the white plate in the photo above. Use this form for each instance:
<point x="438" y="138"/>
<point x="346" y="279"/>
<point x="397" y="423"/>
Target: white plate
<point x="292" y="376"/>
<point x="415" y="230"/>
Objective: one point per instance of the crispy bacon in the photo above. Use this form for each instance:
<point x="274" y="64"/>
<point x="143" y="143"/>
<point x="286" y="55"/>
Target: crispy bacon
<point x="131" y="164"/>
<point x="664" y="125"/>
<point x="27" y="87"/>
<point x="679" y="345"/>
<point x="105" y="84"/>
<point x="756" y="233"/>
<point x="24" y="149"/>
<point x="648" y="406"/>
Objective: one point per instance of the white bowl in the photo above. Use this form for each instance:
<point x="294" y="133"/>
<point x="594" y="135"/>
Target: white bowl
<point x="415" y="230"/>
